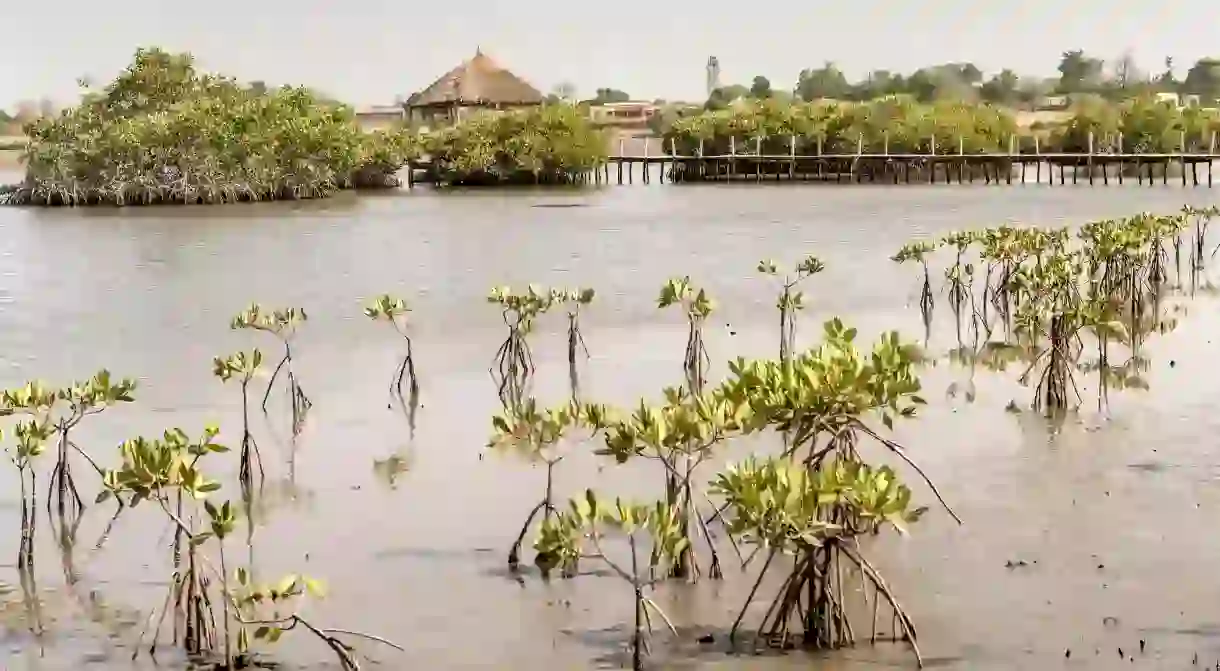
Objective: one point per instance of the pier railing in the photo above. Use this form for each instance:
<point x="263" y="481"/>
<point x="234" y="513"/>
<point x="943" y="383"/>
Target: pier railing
<point x="1097" y="163"/>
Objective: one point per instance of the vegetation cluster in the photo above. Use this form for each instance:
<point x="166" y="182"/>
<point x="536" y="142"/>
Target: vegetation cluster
<point x="162" y="132"/>
<point x="900" y="124"/>
<point x="550" y="144"/>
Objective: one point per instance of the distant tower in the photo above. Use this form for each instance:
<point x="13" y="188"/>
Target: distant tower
<point x="713" y="74"/>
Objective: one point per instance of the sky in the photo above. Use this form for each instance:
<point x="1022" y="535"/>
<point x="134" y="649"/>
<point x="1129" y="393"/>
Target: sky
<point x="371" y="51"/>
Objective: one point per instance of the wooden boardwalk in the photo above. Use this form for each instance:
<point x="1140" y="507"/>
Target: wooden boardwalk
<point x="1190" y="167"/>
<point x="993" y="168"/>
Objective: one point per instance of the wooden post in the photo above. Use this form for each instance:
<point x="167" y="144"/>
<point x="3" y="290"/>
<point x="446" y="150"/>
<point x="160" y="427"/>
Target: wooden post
<point x="1090" y="160"/>
<point x="620" y="162"/>
<point x="961" y="151"/>
<point x="646" y="166"/>
<point x="702" y="163"/>
<point x="1211" y="156"/>
<point x="1011" y="145"/>
<point x="792" y="157"/>
<point x="732" y="156"/>
<point x="1037" y="160"/>
<point x="1182" y="155"/>
<point x="1122" y="163"/>
<point x="932" y="164"/>
<point x="758" y="158"/>
<point x="855" y="164"/>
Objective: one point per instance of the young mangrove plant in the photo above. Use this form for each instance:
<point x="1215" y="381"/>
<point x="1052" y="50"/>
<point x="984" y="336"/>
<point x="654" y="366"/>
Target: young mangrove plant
<point x="282" y="324"/>
<point x="680" y="434"/>
<point x="34" y="401"/>
<point x="539" y="435"/>
<point x="813" y="506"/>
<point x="32" y="433"/>
<point x="815" y="518"/>
<point x="168" y="471"/>
<point x="63" y="410"/>
<point x="574" y="299"/>
<point x="790" y="302"/>
<point x="582" y="532"/>
<point x="696" y="305"/>
<point x="919" y="251"/>
<point x="513" y="366"/>
<point x="244" y="366"/>
<point x="395" y="311"/>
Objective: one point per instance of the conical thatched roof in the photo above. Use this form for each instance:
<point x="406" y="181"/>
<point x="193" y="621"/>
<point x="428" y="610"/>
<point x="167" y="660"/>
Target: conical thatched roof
<point x="478" y="81"/>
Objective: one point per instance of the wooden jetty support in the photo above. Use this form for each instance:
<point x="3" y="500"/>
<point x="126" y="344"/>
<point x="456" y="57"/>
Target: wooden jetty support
<point x="1113" y="165"/>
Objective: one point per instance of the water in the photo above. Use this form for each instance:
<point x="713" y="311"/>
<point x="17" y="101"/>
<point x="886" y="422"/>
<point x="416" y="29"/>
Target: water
<point x="1113" y="517"/>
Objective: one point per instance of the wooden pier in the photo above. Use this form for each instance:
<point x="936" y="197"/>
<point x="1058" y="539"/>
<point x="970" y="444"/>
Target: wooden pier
<point x="1191" y="168"/>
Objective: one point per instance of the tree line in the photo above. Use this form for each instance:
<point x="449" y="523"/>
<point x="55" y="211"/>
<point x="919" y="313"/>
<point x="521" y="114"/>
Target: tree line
<point x="1078" y="73"/>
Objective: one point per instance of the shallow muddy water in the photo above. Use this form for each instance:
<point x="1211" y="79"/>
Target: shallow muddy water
<point x="1089" y="540"/>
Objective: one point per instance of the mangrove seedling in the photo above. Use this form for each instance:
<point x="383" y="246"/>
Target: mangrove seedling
<point x="167" y="472"/>
<point x="822" y="397"/>
<point x="513" y="366"/>
<point x="282" y="324"/>
<point x="696" y="305"/>
<point x="681" y="434"/>
<point x="31" y="433"/>
<point x="64" y="409"/>
<point x="395" y="311"/>
<point x="574" y="299"/>
<point x="816" y="516"/>
<point x="582" y="531"/>
<point x="790" y="301"/>
<point x="243" y="366"/>
<point x="538" y="435"/>
<point x="919" y="251"/>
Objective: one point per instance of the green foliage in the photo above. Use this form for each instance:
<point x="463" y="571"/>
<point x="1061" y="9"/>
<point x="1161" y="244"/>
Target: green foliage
<point x="523" y="308"/>
<point x="694" y="301"/>
<point x="242" y="365"/>
<point x="1058" y="293"/>
<point x="162" y="132"/>
<point x="827" y="389"/>
<point x="898" y="124"/>
<point x="280" y="323"/>
<point x="779" y="504"/>
<point x="589" y="520"/>
<point x="387" y="308"/>
<point x="151" y="467"/>
<point x="550" y="144"/>
<point x="684" y="425"/>
<point x="1140" y="125"/>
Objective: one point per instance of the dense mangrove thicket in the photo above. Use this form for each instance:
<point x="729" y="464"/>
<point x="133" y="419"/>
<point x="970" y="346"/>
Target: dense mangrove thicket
<point x="552" y="144"/>
<point x="899" y="124"/>
<point x="1141" y="125"/>
<point x="162" y="132"/>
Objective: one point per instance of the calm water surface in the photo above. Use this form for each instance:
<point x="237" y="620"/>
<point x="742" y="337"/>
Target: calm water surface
<point x="1114" y="516"/>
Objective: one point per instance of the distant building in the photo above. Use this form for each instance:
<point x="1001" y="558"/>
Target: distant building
<point x="1053" y="103"/>
<point x="713" y="75"/>
<point x="629" y="114"/>
<point x="479" y="83"/>
<point x="381" y="116"/>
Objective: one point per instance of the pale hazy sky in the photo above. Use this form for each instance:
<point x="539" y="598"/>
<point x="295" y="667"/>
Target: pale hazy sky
<point x="369" y="51"/>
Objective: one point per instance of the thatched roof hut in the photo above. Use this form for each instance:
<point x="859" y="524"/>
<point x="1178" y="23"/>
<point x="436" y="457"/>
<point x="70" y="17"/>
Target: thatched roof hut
<point x="478" y="82"/>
